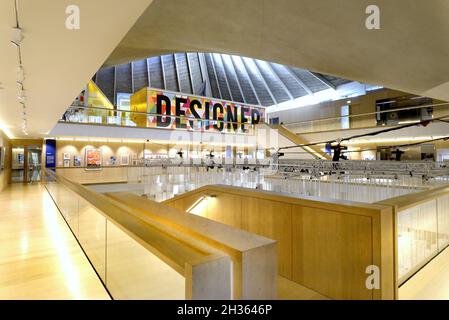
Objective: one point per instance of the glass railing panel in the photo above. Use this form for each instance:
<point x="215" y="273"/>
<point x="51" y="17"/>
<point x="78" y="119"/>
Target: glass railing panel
<point x="92" y="236"/>
<point x="417" y="237"/>
<point x="68" y="204"/>
<point x="159" y="182"/>
<point x="133" y="272"/>
<point x="105" y="116"/>
<point x="136" y="258"/>
<point x="443" y="222"/>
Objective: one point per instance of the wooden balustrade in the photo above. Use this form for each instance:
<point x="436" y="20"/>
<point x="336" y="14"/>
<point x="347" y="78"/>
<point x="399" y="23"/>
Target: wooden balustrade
<point x="200" y="250"/>
<point x="324" y="245"/>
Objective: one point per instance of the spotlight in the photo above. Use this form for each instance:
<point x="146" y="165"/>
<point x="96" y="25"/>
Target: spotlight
<point x="20" y="74"/>
<point x="16" y="36"/>
<point x="22" y="99"/>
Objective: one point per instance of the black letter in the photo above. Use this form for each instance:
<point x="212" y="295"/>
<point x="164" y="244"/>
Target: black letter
<point x="194" y="103"/>
<point x="219" y="125"/>
<point x="179" y="113"/>
<point x="243" y="119"/>
<point x="231" y="118"/>
<point x="206" y="115"/>
<point x="167" y="121"/>
<point x="255" y="116"/>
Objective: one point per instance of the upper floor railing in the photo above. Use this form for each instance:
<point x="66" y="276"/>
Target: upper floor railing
<point x="422" y="229"/>
<point x="361" y="120"/>
<point x="421" y="169"/>
<point x="162" y="179"/>
<point x="127" y="118"/>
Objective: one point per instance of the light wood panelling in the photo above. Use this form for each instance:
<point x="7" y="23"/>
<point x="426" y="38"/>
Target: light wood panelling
<point x="227" y="210"/>
<point x="5" y="174"/>
<point x="331" y="251"/>
<point x="103" y="175"/>
<point x="232" y="210"/>
<point x="289" y="290"/>
<point x="254" y="257"/>
<point x="324" y="245"/>
<point x="272" y="221"/>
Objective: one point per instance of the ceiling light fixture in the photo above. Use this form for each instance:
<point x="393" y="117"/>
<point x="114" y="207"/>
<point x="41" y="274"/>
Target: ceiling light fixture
<point x="16" y="39"/>
<point x="20" y="74"/>
<point x="16" y="35"/>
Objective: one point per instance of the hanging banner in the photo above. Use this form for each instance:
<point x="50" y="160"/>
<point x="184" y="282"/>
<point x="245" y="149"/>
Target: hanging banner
<point x="171" y="110"/>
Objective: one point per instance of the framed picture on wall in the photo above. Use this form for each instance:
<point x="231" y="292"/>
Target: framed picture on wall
<point x="66" y="163"/>
<point x="124" y="159"/>
<point x="20" y="158"/>
<point x="77" y="161"/>
<point x="66" y="156"/>
<point x="93" y="159"/>
<point x="113" y="160"/>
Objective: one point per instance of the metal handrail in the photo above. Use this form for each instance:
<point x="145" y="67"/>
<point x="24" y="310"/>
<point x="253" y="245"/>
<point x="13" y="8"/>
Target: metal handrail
<point x="368" y="113"/>
<point x="163" y="115"/>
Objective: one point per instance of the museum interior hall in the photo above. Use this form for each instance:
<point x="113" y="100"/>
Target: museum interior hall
<point x="224" y="150"/>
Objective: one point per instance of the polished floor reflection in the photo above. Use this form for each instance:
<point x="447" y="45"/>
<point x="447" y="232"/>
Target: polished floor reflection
<point x="39" y="257"/>
<point x="430" y="283"/>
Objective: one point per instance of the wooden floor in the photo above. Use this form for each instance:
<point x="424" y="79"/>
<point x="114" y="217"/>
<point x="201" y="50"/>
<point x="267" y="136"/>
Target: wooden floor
<point x="430" y="283"/>
<point x="39" y="256"/>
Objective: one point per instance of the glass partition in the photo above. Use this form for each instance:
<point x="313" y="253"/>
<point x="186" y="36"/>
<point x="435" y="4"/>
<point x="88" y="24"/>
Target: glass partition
<point x="417" y="237"/>
<point x="160" y="183"/>
<point x="134" y="273"/>
<point x="34" y="164"/>
<point x="124" y="118"/>
<point x="443" y="222"/>
<point x="131" y="268"/>
<point x="18" y="164"/>
<point x="92" y="236"/>
<point x="423" y="232"/>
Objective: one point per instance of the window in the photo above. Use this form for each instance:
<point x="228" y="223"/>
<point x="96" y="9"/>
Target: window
<point x="345" y="117"/>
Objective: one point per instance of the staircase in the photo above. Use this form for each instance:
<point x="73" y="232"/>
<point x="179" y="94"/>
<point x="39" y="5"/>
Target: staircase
<point x="313" y="150"/>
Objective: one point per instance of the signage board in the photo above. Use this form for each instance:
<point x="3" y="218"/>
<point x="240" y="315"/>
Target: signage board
<point x="170" y="110"/>
<point x="50" y="153"/>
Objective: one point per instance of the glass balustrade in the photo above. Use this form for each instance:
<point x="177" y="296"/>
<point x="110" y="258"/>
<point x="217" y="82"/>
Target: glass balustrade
<point x="122" y="118"/>
<point x="423" y="232"/>
<point x="127" y="268"/>
<point x="160" y="183"/>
